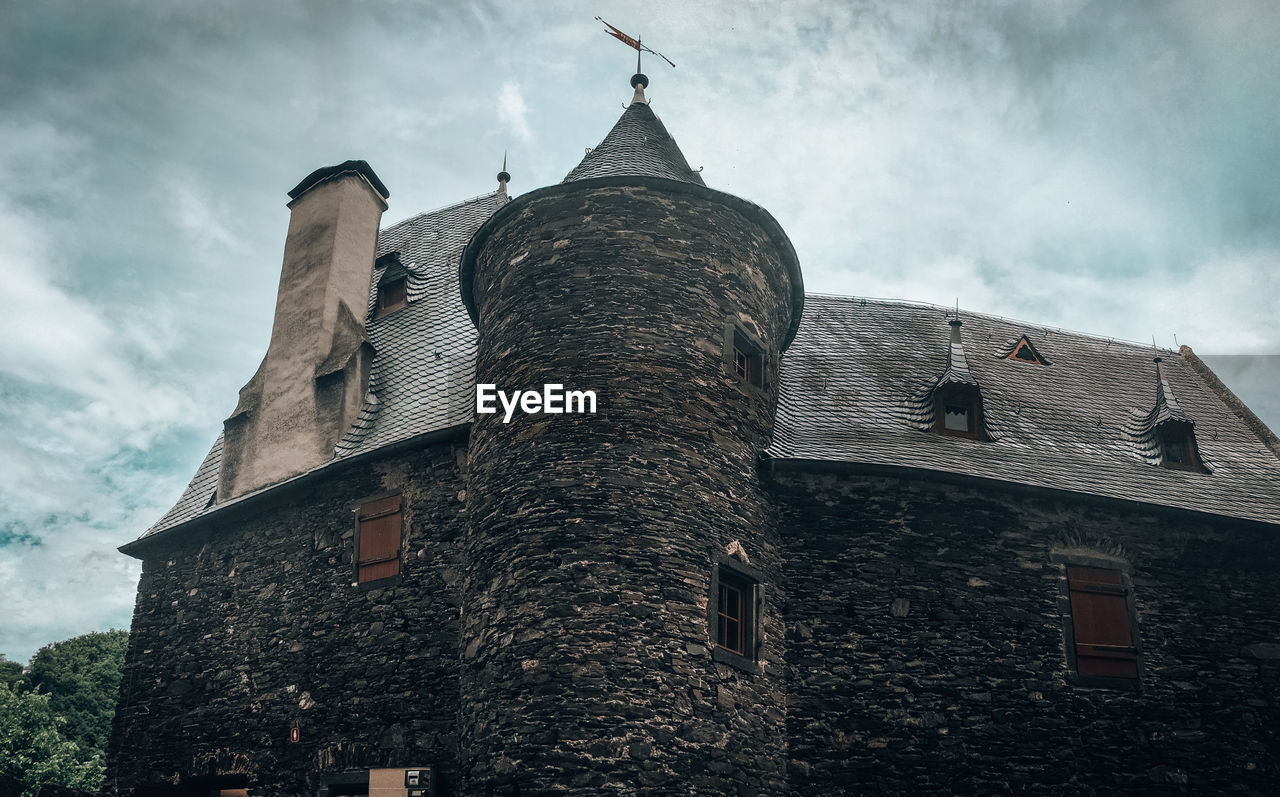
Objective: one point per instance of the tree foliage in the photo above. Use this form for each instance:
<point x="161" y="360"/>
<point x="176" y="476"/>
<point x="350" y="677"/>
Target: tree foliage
<point x="81" y="676"/>
<point x="10" y="671"/>
<point x="34" y="752"/>
<point x="55" y="718"/>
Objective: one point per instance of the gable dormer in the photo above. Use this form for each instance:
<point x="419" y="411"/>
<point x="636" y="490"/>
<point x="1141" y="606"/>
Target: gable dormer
<point x="392" y="291"/>
<point x="957" y="396"/>
<point x="952" y="403"/>
<point x="1171" y="432"/>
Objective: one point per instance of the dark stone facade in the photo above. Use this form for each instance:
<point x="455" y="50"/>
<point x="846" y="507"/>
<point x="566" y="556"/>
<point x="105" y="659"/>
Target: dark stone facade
<point x="252" y="625"/>
<point x="587" y="662"/>
<point x="549" y="631"/>
<point x="926" y="644"/>
<point x="914" y="644"/>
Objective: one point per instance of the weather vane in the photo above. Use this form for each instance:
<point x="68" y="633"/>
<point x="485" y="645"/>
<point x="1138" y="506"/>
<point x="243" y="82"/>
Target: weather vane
<point x="630" y="42"/>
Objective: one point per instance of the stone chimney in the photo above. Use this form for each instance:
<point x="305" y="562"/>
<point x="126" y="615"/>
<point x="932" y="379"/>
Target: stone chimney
<point x="312" y="382"/>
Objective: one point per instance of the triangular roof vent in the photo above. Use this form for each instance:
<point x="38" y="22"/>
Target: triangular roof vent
<point x="1022" y="350"/>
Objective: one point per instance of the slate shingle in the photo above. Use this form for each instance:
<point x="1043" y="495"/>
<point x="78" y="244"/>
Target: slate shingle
<point x="638" y="144"/>
<point x="849" y="380"/>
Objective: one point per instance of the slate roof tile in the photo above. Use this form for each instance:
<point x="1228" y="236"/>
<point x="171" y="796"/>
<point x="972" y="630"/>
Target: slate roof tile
<point x="847" y="382"/>
<point x="198" y="494"/>
<point x="638" y="144"/>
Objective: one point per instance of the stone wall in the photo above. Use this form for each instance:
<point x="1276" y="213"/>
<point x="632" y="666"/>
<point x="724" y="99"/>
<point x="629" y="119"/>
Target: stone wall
<point x="252" y="624"/>
<point x="587" y="657"/>
<point x="927" y="651"/>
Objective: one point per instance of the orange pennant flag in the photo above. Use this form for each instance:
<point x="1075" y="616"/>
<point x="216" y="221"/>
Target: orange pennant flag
<point x="620" y="36"/>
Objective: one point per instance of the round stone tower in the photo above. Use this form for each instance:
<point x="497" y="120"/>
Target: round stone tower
<point x="621" y="625"/>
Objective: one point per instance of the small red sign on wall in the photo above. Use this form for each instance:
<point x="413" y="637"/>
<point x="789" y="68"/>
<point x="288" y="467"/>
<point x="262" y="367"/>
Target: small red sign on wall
<point x="295" y="734"/>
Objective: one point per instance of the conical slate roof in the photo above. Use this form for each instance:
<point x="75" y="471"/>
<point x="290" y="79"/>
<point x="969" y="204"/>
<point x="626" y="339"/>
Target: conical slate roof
<point x="957" y="372"/>
<point x="638" y="145"/>
<point x="1167" y="407"/>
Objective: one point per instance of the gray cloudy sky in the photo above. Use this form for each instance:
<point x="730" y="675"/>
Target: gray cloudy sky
<point x="1106" y="167"/>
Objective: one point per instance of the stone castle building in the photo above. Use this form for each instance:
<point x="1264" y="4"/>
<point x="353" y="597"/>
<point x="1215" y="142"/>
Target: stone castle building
<point x="804" y="545"/>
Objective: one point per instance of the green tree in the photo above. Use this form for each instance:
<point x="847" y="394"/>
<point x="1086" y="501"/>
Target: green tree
<point x="10" y="671"/>
<point x="33" y="751"/>
<point x="81" y="676"/>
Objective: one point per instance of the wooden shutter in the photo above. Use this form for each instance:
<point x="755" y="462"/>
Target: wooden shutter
<point x="1100" y="621"/>
<point x="378" y="540"/>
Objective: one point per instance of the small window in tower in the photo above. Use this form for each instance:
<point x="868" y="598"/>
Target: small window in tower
<point x="734" y="613"/>
<point x="1102" y="640"/>
<point x="748" y="362"/>
<point x="392" y="295"/>
<point x="378" y="540"/>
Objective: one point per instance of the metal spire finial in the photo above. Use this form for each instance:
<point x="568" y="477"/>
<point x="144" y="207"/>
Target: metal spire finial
<point x="639" y="81"/>
<point x="503" y="177"/>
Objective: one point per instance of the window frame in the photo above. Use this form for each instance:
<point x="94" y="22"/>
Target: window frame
<point x="1024" y="344"/>
<point x="749" y="582"/>
<point x="1178" y="432"/>
<point x="384" y="308"/>
<point x="359" y="512"/>
<point x="1124" y="584"/>
<point x="739" y="339"/>
<point x="971" y="397"/>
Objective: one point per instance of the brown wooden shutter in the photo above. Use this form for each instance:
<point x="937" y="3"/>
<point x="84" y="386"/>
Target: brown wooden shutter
<point x="1100" y="622"/>
<point x="378" y="540"/>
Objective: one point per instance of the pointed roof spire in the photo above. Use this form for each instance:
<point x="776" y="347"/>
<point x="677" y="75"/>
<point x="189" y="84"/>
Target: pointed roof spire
<point x="638" y="145"/>
<point x="503" y="177"/>
<point x="957" y="372"/>
<point x="1167" y="407"/>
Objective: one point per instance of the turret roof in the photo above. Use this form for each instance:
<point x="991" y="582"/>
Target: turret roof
<point x="638" y="144"/>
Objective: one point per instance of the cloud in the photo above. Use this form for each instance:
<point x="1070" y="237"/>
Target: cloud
<point x="513" y="112"/>
<point x="83" y="392"/>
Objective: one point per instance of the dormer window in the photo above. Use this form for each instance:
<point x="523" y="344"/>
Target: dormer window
<point x="1170" y="430"/>
<point x="958" y="411"/>
<point x="392" y="295"/>
<point x="1178" y="447"/>
<point x="957" y="417"/>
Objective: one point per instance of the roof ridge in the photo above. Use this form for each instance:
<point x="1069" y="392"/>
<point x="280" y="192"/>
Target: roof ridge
<point x="950" y="310"/>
